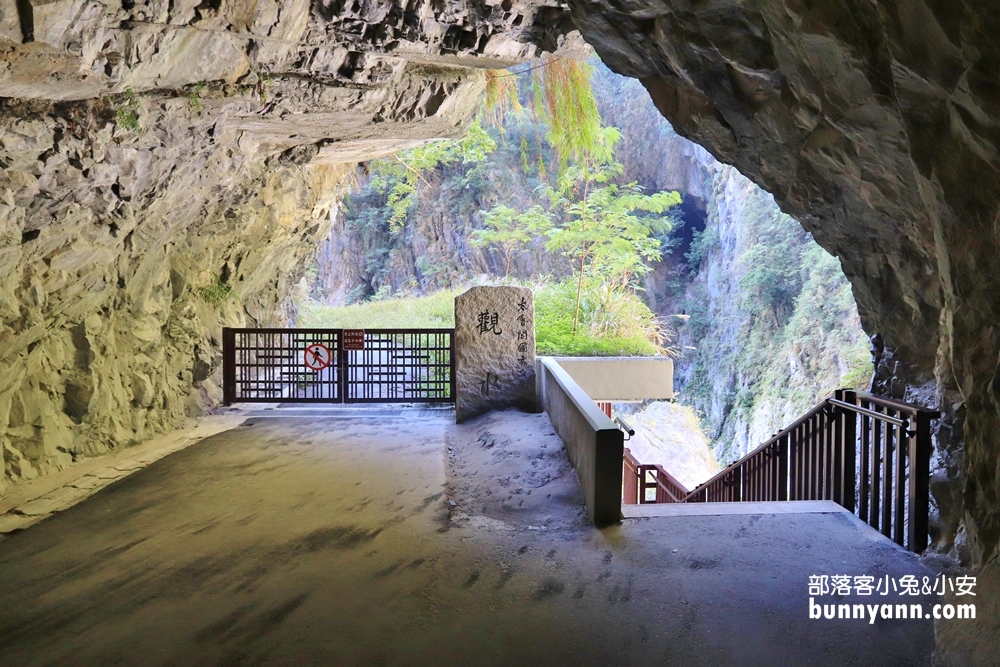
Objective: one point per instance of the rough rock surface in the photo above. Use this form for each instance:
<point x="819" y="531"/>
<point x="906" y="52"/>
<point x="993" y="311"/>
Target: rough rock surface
<point x="153" y="151"/>
<point x="494" y="350"/>
<point x="170" y="168"/>
<point x="669" y="434"/>
<point x="876" y="125"/>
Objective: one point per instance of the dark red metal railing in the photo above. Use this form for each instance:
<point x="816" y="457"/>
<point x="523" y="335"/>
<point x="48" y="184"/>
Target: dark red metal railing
<point x="640" y="479"/>
<point x="317" y="366"/>
<point x="868" y="453"/>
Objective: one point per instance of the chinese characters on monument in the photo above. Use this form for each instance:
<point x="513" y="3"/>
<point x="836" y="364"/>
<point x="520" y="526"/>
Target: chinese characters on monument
<point x="494" y="350"/>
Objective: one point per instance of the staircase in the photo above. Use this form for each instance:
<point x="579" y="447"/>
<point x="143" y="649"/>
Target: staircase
<point x="868" y="453"/>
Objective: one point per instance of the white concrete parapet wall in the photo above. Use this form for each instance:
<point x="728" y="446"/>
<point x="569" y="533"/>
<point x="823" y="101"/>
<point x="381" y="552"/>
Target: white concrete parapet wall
<point x="594" y="444"/>
<point x="494" y="350"/>
<point x="622" y="378"/>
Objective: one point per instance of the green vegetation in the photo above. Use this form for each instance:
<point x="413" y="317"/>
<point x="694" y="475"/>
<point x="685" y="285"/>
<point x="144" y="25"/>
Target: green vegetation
<point x="510" y="232"/>
<point x="701" y="242"/>
<point x="589" y="216"/>
<point x="772" y="321"/>
<point x="262" y="88"/>
<point x="564" y="101"/>
<point x="614" y="324"/>
<point x="197" y="90"/>
<point x="599" y="232"/>
<point x="218" y="294"/>
<point x="127" y="112"/>
<point x="579" y="210"/>
<point x="432" y="311"/>
<point x="400" y="175"/>
<point x="767" y="321"/>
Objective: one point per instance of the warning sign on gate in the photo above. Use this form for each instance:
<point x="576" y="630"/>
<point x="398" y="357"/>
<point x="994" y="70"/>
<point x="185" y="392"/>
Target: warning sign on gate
<point x="317" y="356"/>
<point x="354" y="339"/>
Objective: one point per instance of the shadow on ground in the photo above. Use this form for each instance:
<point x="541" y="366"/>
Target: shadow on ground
<point x="312" y="541"/>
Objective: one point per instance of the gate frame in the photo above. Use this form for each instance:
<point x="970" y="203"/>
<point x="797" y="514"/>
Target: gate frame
<point x="341" y="357"/>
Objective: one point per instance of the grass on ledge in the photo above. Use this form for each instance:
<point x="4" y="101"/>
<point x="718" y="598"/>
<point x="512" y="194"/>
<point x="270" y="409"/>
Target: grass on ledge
<point x="553" y="321"/>
<point x="435" y="311"/>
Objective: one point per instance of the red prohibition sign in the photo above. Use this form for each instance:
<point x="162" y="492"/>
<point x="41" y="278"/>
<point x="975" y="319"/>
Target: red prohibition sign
<point x="317" y="356"/>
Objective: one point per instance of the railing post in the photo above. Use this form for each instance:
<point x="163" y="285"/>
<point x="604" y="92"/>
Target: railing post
<point x="228" y="366"/>
<point x="887" y="478"/>
<point x="849" y="446"/>
<point x="903" y="445"/>
<point x="864" y="468"/>
<point x="920" y="457"/>
<point x="875" y="488"/>
<point x="835" y="442"/>
<point x="630" y="480"/>
<point x="451" y="365"/>
<point x="783" y="446"/>
<point x="341" y="367"/>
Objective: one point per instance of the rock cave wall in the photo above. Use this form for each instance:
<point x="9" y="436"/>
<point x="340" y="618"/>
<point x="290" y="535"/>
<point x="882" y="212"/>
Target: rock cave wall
<point x="875" y="125"/>
<point x="168" y="168"/>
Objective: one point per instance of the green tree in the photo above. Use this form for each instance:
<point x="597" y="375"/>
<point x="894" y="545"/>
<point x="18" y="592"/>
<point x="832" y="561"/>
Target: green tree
<point x="598" y="229"/>
<point x="509" y="231"/>
<point x="401" y="174"/>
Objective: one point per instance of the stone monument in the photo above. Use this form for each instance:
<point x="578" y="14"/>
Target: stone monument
<point x="494" y="350"/>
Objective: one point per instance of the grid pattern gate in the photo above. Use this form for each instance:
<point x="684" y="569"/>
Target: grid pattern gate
<point x="401" y="365"/>
<point x="312" y="366"/>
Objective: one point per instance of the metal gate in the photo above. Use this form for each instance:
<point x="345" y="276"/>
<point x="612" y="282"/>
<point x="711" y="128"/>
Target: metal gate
<point x="338" y="365"/>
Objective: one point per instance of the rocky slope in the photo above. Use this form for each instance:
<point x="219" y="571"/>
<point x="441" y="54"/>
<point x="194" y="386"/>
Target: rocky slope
<point x="362" y="255"/>
<point x="770" y="324"/>
<point x="170" y="167"/>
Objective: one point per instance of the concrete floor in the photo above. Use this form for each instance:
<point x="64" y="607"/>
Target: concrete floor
<point x="411" y="541"/>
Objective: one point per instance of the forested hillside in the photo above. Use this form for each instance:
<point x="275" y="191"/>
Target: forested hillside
<point x="765" y="321"/>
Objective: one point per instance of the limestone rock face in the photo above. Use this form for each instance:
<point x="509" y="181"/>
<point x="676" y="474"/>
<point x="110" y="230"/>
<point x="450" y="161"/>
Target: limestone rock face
<point x="167" y="168"/>
<point x="877" y="125"/>
<point x="494" y="350"/>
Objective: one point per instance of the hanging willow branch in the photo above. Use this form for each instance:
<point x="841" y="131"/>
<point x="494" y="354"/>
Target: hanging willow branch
<point x="501" y="97"/>
<point x="564" y="100"/>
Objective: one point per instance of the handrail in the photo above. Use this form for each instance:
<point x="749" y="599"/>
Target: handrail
<point x="623" y="425"/>
<point x="865" y="411"/>
<point x="846" y="450"/>
<point x="726" y="471"/>
<point x="630" y="460"/>
<point x="896" y="404"/>
<point x="669" y="484"/>
<point x="637" y="481"/>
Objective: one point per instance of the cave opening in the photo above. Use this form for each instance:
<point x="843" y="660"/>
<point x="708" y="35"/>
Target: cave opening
<point x="135" y="165"/>
<point x="762" y="321"/>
